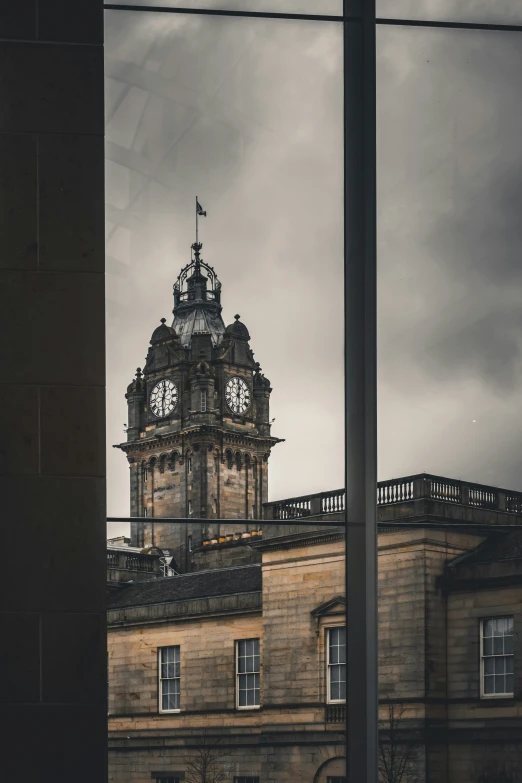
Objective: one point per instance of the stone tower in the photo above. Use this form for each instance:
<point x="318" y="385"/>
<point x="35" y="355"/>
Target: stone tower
<point x="198" y="433"/>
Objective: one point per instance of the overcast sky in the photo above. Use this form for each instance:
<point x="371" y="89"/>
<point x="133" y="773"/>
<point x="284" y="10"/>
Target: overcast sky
<point x="247" y="115"/>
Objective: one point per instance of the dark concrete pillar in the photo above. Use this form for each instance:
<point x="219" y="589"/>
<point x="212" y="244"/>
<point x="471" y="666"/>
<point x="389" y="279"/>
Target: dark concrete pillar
<point x="52" y="406"/>
<point x="361" y="394"/>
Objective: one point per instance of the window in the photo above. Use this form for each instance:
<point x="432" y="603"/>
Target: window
<point x="190" y="541"/>
<point x="169" y="679"/>
<point x="189" y="464"/>
<point x="169" y="779"/>
<point x="203" y="400"/>
<point x="247" y="674"/>
<point x="336" y="779"/>
<point x="246" y="779"/>
<point x="190" y="508"/>
<point x="336" y="665"/>
<point x="497" y="646"/>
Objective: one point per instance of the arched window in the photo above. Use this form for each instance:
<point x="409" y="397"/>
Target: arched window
<point x="189" y="463"/>
<point x="203" y="404"/>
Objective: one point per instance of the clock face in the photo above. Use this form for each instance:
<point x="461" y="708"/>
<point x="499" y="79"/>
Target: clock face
<point x="163" y="398"/>
<point x="237" y="395"/>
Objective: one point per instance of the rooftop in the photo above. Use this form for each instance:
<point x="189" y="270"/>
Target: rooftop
<point x="200" y="584"/>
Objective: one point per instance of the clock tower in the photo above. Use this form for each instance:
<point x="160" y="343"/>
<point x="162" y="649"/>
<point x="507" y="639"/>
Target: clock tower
<point x="198" y="433"/>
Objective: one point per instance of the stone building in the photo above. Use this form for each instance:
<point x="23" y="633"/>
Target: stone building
<point x="199" y="430"/>
<point x="246" y="661"/>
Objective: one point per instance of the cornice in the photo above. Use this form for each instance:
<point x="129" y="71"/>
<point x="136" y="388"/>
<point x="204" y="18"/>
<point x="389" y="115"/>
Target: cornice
<point x="163" y="442"/>
<point x="298" y="540"/>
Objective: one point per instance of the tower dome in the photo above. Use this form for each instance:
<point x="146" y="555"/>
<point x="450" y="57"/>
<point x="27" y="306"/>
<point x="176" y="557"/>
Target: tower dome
<point x="238" y="329"/>
<point x="197" y="301"/>
<point x="163" y="332"/>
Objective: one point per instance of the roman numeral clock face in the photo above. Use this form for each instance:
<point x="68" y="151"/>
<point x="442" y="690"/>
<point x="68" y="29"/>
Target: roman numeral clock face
<point x="237" y="395"/>
<point x="163" y="398"/>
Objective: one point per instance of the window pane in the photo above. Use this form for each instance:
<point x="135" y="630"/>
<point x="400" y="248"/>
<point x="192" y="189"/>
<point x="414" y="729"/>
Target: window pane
<point x="478" y="11"/>
<point x="449" y="279"/>
<point x="498" y="645"/>
<point x="489" y="684"/>
<point x="248" y="116"/>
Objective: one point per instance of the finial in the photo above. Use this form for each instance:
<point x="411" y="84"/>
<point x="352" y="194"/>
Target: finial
<point x="237" y="317"/>
<point x="138" y="372"/>
<point x="163" y="320"/>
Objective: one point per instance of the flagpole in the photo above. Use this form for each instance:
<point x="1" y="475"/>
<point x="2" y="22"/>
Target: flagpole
<point x="196" y="220"/>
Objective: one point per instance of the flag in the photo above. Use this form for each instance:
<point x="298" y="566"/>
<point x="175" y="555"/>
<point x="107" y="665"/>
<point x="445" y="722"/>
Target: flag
<point x="200" y="209"/>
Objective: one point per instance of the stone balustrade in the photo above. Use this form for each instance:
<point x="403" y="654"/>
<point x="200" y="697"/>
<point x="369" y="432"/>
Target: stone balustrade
<point x="132" y="561"/>
<point x="400" y="491"/>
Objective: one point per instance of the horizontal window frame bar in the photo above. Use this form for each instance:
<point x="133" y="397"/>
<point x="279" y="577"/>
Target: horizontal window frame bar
<point x="486" y="26"/>
<point x="230" y="12"/>
<point x="316" y="525"/>
<point x="239" y="522"/>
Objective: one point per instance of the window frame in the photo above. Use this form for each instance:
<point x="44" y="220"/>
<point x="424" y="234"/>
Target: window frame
<point x="328" y="630"/>
<point x="161" y="711"/>
<point x="482" y="622"/>
<point x="237" y="673"/>
<point x="203" y="400"/>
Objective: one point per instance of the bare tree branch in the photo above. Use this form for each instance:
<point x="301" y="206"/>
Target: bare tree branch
<point x="398" y="752"/>
<point x="206" y="764"/>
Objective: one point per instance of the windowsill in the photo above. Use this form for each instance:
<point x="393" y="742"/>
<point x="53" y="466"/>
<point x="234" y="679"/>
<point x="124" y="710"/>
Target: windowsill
<point x="497" y="696"/>
<point x="169" y="712"/>
<point x="255" y="707"/>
